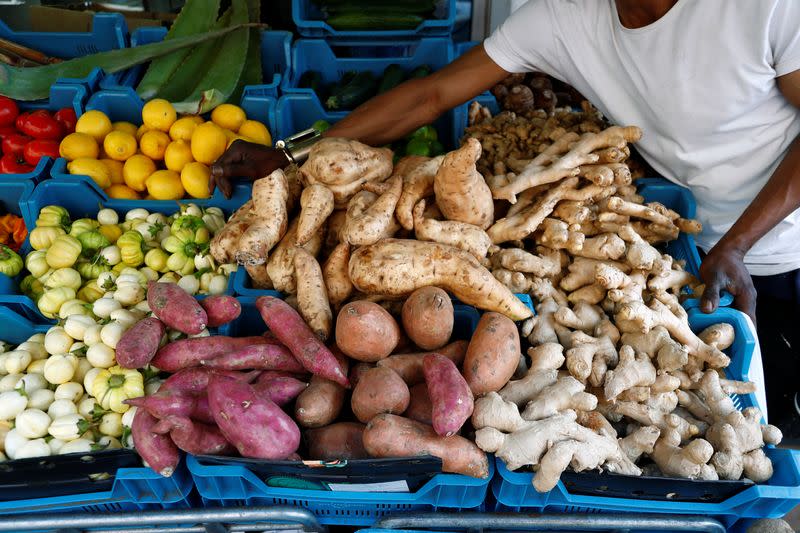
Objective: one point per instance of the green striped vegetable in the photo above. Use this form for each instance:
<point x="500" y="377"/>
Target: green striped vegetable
<point x="196" y="17"/>
<point x="223" y="74"/>
<point x="183" y="80"/>
<point x="33" y="83"/>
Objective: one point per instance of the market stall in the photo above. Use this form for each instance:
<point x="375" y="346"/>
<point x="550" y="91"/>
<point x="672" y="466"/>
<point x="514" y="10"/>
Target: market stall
<point x="496" y="313"/>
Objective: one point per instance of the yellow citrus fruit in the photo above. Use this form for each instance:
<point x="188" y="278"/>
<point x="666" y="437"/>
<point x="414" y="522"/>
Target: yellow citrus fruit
<point x="228" y="116"/>
<point x="182" y="129"/>
<point x="115" y="169"/>
<point x="158" y="114"/>
<point x="127" y="127"/>
<point x="177" y="155"/>
<point x="196" y="118"/>
<point x="154" y="143"/>
<point x="94" y="123"/>
<point x="165" y="185"/>
<point x="136" y="171"/>
<point x="208" y="143"/>
<point x="94" y="168"/>
<point x="195" y="178"/>
<point x="141" y="131"/>
<point x="237" y="138"/>
<point x="119" y="145"/>
<point x="230" y="134"/>
<point x="122" y="191"/>
<point x="256" y="132"/>
<point x="78" y="145"/>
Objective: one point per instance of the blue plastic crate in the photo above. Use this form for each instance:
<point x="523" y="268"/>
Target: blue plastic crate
<point x="310" y="23"/>
<point x="83" y="200"/>
<point x="460" y="113"/>
<point x="514" y="491"/>
<point x="14" y="192"/>
<point x="124" y="104"/>
<point x="275" y="54"/>
<point x="133" y="488"/>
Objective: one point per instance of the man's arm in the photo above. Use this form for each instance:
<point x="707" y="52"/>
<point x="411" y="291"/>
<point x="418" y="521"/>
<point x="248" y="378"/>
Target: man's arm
<point x="396" y="113"/>
<point x="723" y="267"/>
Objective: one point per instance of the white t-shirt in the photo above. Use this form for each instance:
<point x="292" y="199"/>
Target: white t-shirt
<point x="700" y="82"/>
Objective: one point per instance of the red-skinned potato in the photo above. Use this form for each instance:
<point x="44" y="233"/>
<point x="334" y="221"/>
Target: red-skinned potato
<point x="428" y="317"/>
<point x="366" y="332"/>
<point x="379" y="390"/>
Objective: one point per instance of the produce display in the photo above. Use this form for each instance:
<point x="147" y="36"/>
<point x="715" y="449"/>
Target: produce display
<point x="371" y="15"/>
<point x="30" y="135"/>
<point x="166" y="158"/>
<point x="105" y="263"/>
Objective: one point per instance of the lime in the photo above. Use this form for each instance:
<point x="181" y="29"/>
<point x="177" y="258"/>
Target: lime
<point x="418" y="147"/>
<point x="427" y="133"/>
<point x="321" y="126"/>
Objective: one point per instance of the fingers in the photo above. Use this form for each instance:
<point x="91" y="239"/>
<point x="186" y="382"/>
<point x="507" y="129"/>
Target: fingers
<point x="710" y="300"/>
<point x="745" y="298"/>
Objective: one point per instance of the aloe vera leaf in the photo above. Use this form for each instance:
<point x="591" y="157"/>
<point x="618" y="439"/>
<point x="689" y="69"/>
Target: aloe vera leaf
<point x="33" y="83"/>
<point x="197" y="16"/>
<point x="222" y="76"/>
<point x="183" y="80"/>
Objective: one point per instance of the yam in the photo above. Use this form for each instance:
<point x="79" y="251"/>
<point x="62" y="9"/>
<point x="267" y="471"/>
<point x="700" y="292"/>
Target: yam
<point x="158" y="450"/>
<point x="461" y="192"/>
<point x="366" y="331"/>
<point x="312" y="295"/>
<point x="334" y="272"/>
<point x="320" y="403"/>
<point x="493" y="354"/>
<point x="221" y="309"/>
<point x="374" y="222"/>
<point x="265" y="356"/>
<point x="451" y="398"/>
<point x="185" y="353"/>
<point x="379" y="390"/>
<point x="270" y="195"/>
<point x="467" y="237"/>
<point x="428" y="317"/>
<point x="259" y="277"/>
<point x="417" y="184"/>
<point x="223" y="245"/>
<point x="280" y="266"/>
<point x="139" y="344"/>
<point x="316" y="204"/>
<point x="196" y="438"/>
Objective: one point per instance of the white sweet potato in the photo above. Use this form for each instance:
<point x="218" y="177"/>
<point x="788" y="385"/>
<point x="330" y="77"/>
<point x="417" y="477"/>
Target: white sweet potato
<point x="417" y="184"/>
<point x="316" y="204"/>
<point x="223" y="245"/>
<point x="461" y="192"/>
<point x="468" y="237"/>
<point x="270" y="195"/>
<point x="280" y="267"/>
<point x="337" y="279"/>
<point x="375" y="221"/>
<point x="312" y="296"/>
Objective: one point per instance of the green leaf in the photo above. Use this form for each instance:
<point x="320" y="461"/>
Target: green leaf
<point x="252" y="73"/>
<point x="194" y="66"/>
<point x="33" y="83"/>
<point x="222" y="76"/>
<point x="196" y="17"/>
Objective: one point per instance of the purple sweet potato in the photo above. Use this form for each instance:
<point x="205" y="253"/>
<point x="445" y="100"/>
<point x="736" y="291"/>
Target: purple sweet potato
<point x="280" y="390"/>
<point x="450" y="394"/>
<point x="221" y="309"/>
<point x="194" y="437"/>
<point x="288" y="326"/>
<point x="257" y="357"/>
<point x="186" y="353"/>
<point x="139" y="344"/>
<point x="337" y="441"/>
<point x="420" y="407"/>
<point x="194" y="381"/>
<point x="158" y="450"/>
<point x="176" y="308"/>
<point x="166" y="403"/>
<point x="251" y="422"/>
<point x="409" y="365"/>
<point x="379" y="390"/>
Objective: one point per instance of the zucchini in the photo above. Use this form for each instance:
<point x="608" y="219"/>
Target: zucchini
<point x="356" y="92"/>
<point x="393" y="76"/>
<point x="420" y="72"/>
<point x="361" y="21"/>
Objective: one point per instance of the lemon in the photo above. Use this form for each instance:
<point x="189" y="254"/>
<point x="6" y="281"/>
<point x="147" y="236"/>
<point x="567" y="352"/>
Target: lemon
<point x="237" y="138"/>
<point x="158" y="114"/>
<point x="256" y="132"/>
<point x="228" y="116"/>
<point x="115" y="169"/>
<point x="208" y="143"/>
<point x="78" y="145"/>
<point x="229" y="134"/>
<point x="141" y="131"/>
<point x="124" y="192"/>
<point x="196" y="118"/>
<point x="182" y="129"/>
<point x="153" y="144"/>
<point x="94" y="123"/>
<point x="127" y="127"/>
<point x="195" y="178"/>
<point x="136" y="171"/>
<point x="165" y="185"/>
<point x="119" y="145"/>
<point x="94" y="168"/>
<point x="177" y="155"/>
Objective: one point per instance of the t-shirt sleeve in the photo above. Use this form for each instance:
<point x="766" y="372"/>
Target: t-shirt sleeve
<point x="784" y="36"/>
<point x="527" y="41"/>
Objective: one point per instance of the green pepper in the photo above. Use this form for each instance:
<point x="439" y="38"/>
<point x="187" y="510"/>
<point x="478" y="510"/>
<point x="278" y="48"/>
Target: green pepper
<point x="92" y="241"/>
<point x="426" y="133"/>
<point x="131" y="248"/>
<point x="53" y="215"/>
<point x="82" y="225"/>
<point x="10" y="262"/>
<point x="418" y="146"/>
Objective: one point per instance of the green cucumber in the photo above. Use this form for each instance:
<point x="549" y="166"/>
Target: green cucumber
<point x="361" y="21"/>
<point x="359" y="89"/>
<point x="393" y="76"/>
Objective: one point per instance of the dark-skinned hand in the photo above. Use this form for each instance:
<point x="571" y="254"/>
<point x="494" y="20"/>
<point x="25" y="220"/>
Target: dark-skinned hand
<point x="245" y="160"/>
<point x="723" y="269"/>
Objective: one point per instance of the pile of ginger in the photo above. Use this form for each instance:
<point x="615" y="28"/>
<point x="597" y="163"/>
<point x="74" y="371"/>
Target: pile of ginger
<point x="617" y="377"/>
